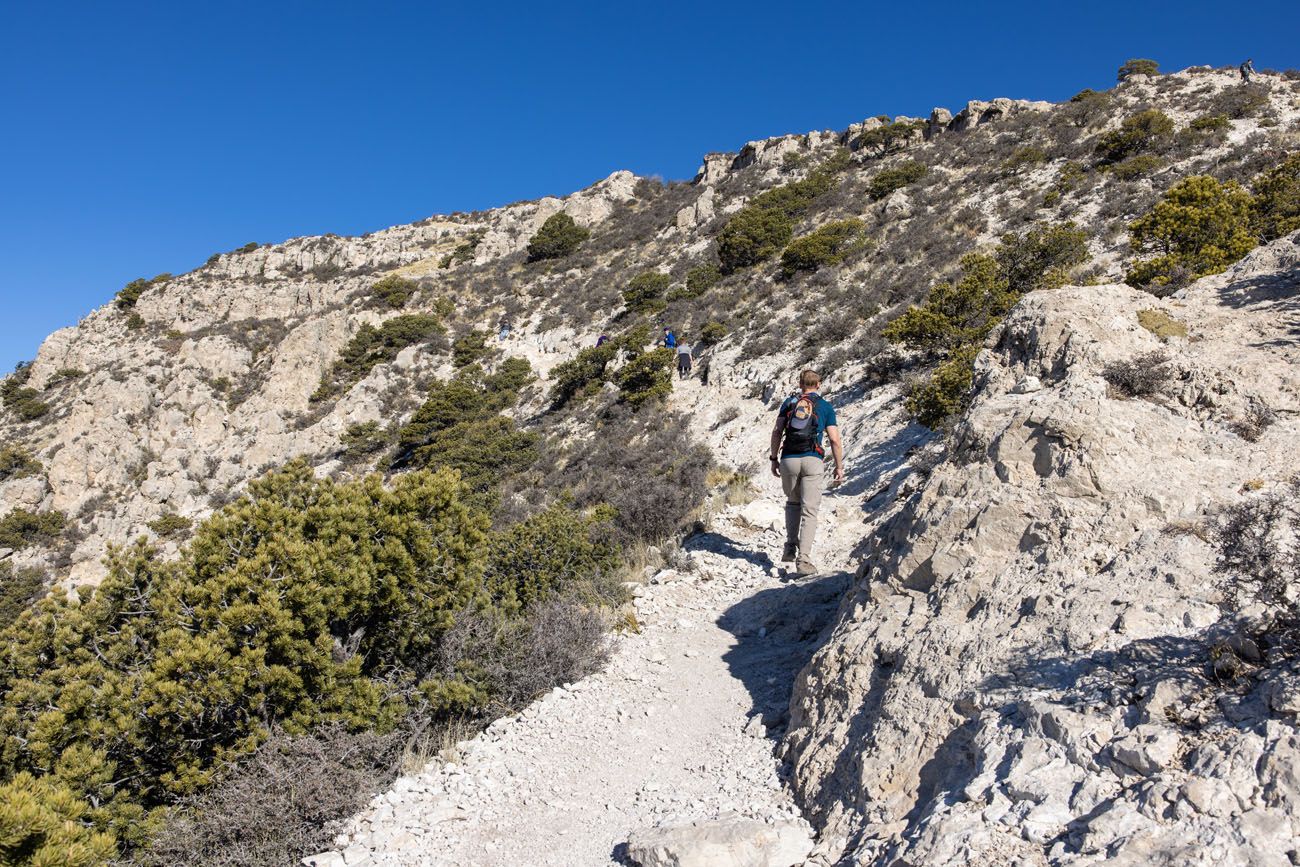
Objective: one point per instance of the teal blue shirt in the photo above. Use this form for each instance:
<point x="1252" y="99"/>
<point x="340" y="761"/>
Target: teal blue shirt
<point x="825" y="418"/>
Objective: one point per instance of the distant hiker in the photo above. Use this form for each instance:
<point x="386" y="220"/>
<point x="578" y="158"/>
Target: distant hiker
<point x="503" y="330"/>
<point x="670" y="339"/>
<point x="602" y="340"/>
<point x="800" y="423"/>
<point x="1247" y="69"/>
<point x="683" y="360"/>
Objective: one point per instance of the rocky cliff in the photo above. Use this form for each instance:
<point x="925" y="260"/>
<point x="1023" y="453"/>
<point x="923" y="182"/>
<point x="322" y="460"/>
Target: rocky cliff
<point x="1024" y="671"/>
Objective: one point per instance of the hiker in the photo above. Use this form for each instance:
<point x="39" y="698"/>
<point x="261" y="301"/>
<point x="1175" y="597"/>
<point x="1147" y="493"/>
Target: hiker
<point x="683" y="360"/>
<point x="800" y="424"/>
<point x="670" y="339"/>
<point x="503" y="330"/>
<point x="602" y="340"/>
<point x="1247" y="69"/>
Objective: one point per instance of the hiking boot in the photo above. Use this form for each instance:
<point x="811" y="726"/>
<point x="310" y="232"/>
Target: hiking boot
<point x="789" y="553"/>
<point x="806" y="568"/>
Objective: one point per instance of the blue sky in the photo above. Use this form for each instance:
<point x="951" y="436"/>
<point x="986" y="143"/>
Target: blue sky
<point x="142" y="137"/>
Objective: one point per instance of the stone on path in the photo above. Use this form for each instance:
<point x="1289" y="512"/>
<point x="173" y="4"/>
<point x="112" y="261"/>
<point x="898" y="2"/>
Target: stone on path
<point x="725" y="842"/>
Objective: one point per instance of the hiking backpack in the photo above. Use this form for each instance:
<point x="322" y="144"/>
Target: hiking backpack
<point x="802" y="425"/>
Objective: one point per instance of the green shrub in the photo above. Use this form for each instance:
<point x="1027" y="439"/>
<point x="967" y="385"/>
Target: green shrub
<point x="392" y="292"/>
<point x="956" y="317"/>
<point x="1210" y="123"/>
<point x="548" y="553"/>
<point x="19" y="590"/>
<point x="1161" y="324"/>
<point x="303" y="603"/>
<point x="135" y="321"/>
<point x="702" y="278"/>
<point x="42" y="824"/>
<point x="130" y="293"/>
<point x="62" y="375"/>
<point x="465" y="250"/>
<point x="15" y="463"/>
<point x="469" y="348"/>
<point x="558" y="237"/>
<point x="646" y="378"/>
<point x="581" y="373"/>
<point x="1135" y="167"/>
<point x="1144" y="132"/>
<point x="22" y="401"/>
<point x="945" y="393"/>
<point x="645" y="292"/>
<point x="1199" y="227"/>
<point x="1143" y="377"/>
<point x="751" y="236"/>
<point x="363" y="438"/>
<point x="247" y="248"/>
<point x="1138" y="66"/>
<point x="1022" y="158"/>
<point x="888" y="139"/>
<point x="170" y="525"/>
<point x="889" y="180"/>
<point x="1276" y="208"/>
<point x="1243" y="100"/>
<point x="21" y="528"/>
<point x="712" y="332"/>
<point x="762" y="228"/>
<point x="827" y="245"/>
<point x="372" y="346"/>
<point x="460" y="427"/>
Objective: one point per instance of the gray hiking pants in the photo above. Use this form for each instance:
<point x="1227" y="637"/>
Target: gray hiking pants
<point x="801" y="479"/>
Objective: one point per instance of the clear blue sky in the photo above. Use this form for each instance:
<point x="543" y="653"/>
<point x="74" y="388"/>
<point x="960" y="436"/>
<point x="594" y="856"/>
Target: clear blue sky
<point x="142" y="137"/>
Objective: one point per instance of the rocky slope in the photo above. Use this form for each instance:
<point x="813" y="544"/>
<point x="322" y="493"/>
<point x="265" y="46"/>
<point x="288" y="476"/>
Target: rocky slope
<point x="1022" y="672"/>
<point x="174" y="408"/>
<point x="1018" y="670"/>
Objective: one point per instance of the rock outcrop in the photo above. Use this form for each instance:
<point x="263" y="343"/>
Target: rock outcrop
<point x="1021" y="673"/>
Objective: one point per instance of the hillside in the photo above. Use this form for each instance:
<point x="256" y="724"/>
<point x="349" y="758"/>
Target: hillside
<point x="1026" y="584"/>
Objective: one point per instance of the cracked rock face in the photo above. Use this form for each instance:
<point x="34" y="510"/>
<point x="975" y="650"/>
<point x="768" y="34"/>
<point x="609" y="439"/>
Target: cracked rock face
<point x="1022" y="669"/>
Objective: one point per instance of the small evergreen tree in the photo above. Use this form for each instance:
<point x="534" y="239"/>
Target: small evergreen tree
<point x="558" y="237"/>
<point x="1199" y="227"/>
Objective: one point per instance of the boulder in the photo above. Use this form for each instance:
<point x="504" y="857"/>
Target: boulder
<point x="724" y="842"/>
<point x="763" y="515"/>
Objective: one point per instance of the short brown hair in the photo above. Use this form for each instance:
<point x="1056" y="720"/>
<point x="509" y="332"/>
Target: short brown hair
<point x="809" y="379"/>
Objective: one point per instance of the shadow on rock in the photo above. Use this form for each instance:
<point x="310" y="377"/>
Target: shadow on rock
<point x="777" y="631"/>
<point x="720" y="544"/>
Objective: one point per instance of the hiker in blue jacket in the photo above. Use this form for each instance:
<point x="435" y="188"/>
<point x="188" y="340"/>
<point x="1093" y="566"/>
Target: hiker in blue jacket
<point x="798" y="458"/>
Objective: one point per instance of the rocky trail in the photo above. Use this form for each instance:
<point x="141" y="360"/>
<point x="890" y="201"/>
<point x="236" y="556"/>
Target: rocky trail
<point x="679" y="728"/>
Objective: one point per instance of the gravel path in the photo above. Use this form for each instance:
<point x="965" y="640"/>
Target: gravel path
<point x="680" y="726"/>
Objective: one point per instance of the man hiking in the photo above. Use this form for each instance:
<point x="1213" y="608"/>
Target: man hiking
<point x="669" y="339"/>
<point x="683" y="360"/>
<point x="1247" y="69"/>
<point x="798" y="458"/>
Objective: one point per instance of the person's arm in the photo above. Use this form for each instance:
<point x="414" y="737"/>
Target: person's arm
<point x="774" y="452"/>
<point x="837" y="451"/>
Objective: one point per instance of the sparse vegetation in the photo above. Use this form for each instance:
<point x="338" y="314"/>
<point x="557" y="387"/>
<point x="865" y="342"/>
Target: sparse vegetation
<point x="1257" y="550"/>
<point x="464" y="251"/>
<point x="21" y="528"/>
<point x="1145" y="132"/>
<point x="890" y="138"/>
<point x="1137" y="66"/>
<point x="469" y="347"/>
<point x="1142" y="377"/>
<point x="22" y="401"/>
<point x="372" y="346"/>
<point x="956" y="316"/>
<point x="1161" y="324"/>
<point x="558" y="237"/>
<point x="16" y="463"/>
<point x="1022" y="158"/>
<point x="824" y="246"/>
<point x="392" y="292"/>
<point x="889" y="180"/>
<point x="362" y="439"/>
<point x="170" y="525"/>
<point x="1135" y="167"/>
<point x="1275" y="210"/>
<point x="701" y="279"/>
<point x="645" y="292"/>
